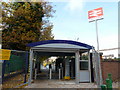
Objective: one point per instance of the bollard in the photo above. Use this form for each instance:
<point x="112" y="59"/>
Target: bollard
<point x="108" y="84"/>
<point x="110" y="78"/>
<point x="59" y="74"/>
<point x="50" y="73"/>
<point x="35" y="73"/>
<point x="62" y="73"/>
<point x="103" y="87"/>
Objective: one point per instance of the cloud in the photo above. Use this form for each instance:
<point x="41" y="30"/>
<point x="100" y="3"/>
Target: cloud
<point x="110" y="41"/>
<point x="75" y="5"/>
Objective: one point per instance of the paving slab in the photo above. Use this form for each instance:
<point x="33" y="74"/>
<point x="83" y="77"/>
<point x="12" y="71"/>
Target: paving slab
<point x="60" y="84"/>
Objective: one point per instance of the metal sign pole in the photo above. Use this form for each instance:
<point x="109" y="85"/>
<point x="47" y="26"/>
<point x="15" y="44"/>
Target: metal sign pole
<point x="95" y="15"/>
<point x="97" y="35"/>
<point x="99" y="64"/>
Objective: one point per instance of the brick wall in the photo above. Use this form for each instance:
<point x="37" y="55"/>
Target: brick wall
<point x="112" y="67"/>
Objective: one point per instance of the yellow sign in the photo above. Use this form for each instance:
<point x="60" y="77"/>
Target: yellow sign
<point x="5" y="54"/>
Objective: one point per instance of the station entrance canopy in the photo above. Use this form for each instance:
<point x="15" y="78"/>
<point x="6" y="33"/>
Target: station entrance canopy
<point x="59" y="47"/>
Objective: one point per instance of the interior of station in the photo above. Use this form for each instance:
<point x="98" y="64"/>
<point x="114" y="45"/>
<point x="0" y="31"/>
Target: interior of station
<point x="58" y="65"/>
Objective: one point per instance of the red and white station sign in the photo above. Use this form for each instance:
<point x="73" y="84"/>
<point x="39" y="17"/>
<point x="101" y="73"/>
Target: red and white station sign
<point x="95" y="14"/>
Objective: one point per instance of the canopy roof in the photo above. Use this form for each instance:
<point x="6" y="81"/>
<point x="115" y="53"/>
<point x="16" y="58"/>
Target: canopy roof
<point x="64" y="44"/>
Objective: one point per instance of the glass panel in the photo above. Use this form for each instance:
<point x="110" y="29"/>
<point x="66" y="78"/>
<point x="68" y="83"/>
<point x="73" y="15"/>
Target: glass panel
<point x="83" y="65"/>
<point x="84" y="56"/>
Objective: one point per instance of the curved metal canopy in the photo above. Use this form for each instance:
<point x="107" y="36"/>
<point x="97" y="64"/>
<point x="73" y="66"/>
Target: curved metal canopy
<point x="67" y="44"/>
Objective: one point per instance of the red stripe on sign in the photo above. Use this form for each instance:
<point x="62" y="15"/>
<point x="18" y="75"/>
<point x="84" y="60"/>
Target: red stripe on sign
<point x="95" y="13"/>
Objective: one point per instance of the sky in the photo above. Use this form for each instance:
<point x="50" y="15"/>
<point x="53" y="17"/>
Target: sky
<point x="71" y="23"/>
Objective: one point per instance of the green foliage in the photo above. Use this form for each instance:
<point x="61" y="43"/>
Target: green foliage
<point x="117" y="59"/>
<point x="111" y="59"/>
<point x="25" y="22"/>
<point x="84" y="57"/>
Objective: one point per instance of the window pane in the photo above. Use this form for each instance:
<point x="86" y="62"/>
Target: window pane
<point x="83" y="65"/>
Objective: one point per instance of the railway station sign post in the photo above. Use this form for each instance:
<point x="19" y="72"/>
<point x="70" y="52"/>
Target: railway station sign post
<point x="93" y="16"/>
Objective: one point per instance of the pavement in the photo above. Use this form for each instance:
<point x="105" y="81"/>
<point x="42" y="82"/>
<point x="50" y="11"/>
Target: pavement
<point x="43" y="81"/>
<point x="60" y="84"/>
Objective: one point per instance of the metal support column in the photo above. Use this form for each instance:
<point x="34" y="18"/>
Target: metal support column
<point x="1" y="72"/>
<point x="26" y="66"/>
<point x="77" y="65"/>
<point x="31" y="66"/>
<point x="67" y="70"/>
<point x="89" y="65"/>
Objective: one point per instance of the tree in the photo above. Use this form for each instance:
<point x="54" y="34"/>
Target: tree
<point x="25" y="22"/>
<point x="84" y="57"/>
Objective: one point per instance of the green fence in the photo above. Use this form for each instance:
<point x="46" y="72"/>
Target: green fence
<point x="16" y="63"/>
<point x="14" y="71"/>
